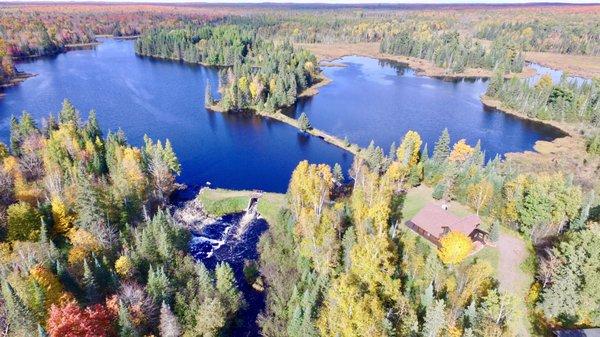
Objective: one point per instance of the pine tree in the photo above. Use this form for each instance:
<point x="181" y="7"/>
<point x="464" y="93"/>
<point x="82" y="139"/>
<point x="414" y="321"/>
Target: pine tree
<point x="89" y="283"/>
<point x="427" y="298"/>
<point x="169" y="326"/>
<point x="92" y="129"/>
<point x="68" y="113"/>
<point x="434" y="319"/>
<point x="41" y="331"/>
<point x="470" y="314"/>
<point x="126" y="327"/>
<point x="19" y="317"/>
<point x="87" y="202"/>
<point x="441" y="151"/>
<point x="170" y="158"/>
<point x="338" y="175"/>
<point x="392" y="152"/>
<point x="159" y="287"/>
<point x="227" y="289"/>
<point x="304" y="123"/>
<point x="579" y="223"/>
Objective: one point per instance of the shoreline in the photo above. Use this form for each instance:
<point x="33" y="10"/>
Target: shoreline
<point x="328" y="54"/>
<point x="354" y="149"/>
<point x="20" y="78"/>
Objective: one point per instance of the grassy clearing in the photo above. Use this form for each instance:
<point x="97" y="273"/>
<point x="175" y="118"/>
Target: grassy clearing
<point x="218" y="202"/>
<point x="418" y="197"/>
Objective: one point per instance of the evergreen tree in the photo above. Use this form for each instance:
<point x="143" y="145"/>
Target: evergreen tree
<point x="41" y="331"/>
<point x="92" y="129"/>
<point x="441" y="151"/>
<point x="126" y="327"/>
<point x="169" y="326"/>
<point x="304" y="123"/>
<point x="19" y="316"/>
<point x="90" y="284"/>
<point x="338" y="175"/>
<point x="227" y="289"/>
<point x="434" y="319"/>
<point x="87" y="202"/>
<point x="159" y="287"/>
<point x="579" y="223"/>
<point x="68" y="113"/>
<point x="427" y="298"/>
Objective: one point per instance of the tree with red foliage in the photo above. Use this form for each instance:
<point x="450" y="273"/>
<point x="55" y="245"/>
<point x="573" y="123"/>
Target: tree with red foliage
<point x="69" y="320"/>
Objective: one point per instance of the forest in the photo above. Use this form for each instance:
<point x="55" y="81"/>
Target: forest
<point x="87" y="245"/>
<point x="356" y="272"/>
<point x="260" y="75"/>
<point x="90" y="246"/>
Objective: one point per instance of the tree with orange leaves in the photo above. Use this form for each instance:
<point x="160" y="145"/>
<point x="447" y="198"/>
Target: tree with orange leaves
<point x="70" y="320"/>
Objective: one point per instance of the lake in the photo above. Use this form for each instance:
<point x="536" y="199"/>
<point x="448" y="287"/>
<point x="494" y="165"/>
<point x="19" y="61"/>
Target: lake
<point x="165" y="99"/>
<point x="378" y="100"/>
<point x="368" y="99"/>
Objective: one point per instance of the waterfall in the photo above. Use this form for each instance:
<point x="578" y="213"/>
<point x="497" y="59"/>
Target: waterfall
<point x="249" y="214"/>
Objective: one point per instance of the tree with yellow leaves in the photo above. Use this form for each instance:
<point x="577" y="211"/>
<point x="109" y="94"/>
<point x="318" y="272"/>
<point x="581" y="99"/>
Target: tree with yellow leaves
<point x="454" y="247"/>
<point x="53" y="289"/>
<point x="83" y="244"/>
<point x="461" y="151"/>
<point x="408" y="151"/>
<point x="480" y="194"/>
<point x="350" y="312"/>
<point x="63" y="220"/>
<point x="124" y="266"/>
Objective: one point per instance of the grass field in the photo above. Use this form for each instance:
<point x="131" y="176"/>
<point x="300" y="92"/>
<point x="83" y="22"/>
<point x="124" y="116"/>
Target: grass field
<point x="218" y="202"/>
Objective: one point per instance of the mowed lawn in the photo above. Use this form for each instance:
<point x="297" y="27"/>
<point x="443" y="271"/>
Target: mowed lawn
<point x="218" y="202"/>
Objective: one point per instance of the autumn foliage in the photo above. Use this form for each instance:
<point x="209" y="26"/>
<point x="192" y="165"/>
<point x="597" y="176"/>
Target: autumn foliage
<point x="70" y="320"/>
<point x="454" y="247"/>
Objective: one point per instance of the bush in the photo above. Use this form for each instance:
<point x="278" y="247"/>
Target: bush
<point x="593" y="144"/>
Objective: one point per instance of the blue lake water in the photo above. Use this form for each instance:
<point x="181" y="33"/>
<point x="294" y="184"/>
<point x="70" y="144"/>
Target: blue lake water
<point x="368" y="99"/>
<point x="166" y="100"/>
<point x="377" y="100"/>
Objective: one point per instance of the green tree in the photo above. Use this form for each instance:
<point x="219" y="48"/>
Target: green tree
<point x="441" y="151"/>
<point x="159" y="287"/>
<point x="435" y="319"/>
<point x="304" y="123"/>
<point x="227" y="289"/>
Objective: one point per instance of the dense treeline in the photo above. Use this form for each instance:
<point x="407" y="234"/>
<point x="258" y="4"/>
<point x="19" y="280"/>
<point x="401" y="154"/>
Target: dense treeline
<point x="31" y="31"/>
<point x="450" y="51"/>
<point x="86" y="248"/>
<point x="260" y="75"/>
<point x="7" y="68"/>
<point x="342" y="264"/>
<point x="565" y="37"/>
<point x="223" y="45"/>
<point x="565" y="101"/>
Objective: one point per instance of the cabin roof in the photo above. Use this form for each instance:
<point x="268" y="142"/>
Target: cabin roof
<point x="434" y="219"/>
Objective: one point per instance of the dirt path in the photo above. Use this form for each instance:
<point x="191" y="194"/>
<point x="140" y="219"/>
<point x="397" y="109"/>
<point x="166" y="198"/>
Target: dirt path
<point x="512" y="279"/>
